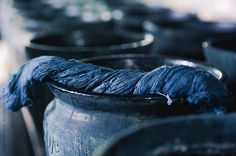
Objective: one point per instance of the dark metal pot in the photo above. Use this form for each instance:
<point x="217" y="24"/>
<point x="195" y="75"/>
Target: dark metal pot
<point x="222" y="54"/>
<point x="75" y="122"/>
<point x="185" y="39"/>
<point x="88" y="43"/>
<point x="183" y="136"/>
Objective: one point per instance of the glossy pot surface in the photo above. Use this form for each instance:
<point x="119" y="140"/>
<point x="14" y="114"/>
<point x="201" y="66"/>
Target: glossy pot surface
<point x="75" y="122"/>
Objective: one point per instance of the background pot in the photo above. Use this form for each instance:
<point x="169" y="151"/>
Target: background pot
<point x="185" y="39"/>
<point x="75" y="123"/>
<point x="27" y="19"/>
<point x="88" y="43"/>
<point x="134" y="15"/>
<point x="222" y="54"/>
<point x="189" y="135"/>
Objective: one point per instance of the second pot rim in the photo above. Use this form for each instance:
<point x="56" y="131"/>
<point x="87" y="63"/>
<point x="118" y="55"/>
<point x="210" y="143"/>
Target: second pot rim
<point x="147" y="39"/>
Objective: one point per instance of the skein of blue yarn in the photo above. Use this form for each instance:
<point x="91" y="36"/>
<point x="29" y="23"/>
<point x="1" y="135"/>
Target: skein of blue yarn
<point x="197" y="87"/>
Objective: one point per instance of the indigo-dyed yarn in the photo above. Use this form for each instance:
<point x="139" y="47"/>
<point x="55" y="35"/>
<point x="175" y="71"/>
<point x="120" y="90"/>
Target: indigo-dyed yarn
<point x="197" y="87"/>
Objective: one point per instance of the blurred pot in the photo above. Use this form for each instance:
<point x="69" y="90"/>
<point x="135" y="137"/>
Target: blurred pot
<point x="185" y="39"/>
<point x="222" y="54"/>
<point x="35" y="20"/>
<point x="134" y="16"/>
<point x="74" y="23"/>
<point x="88" y="43"/>
<point x="183" y="136"/>
<point x="75" y="122"/>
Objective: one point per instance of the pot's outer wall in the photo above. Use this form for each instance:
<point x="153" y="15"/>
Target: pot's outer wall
<point x="70" y="131"/>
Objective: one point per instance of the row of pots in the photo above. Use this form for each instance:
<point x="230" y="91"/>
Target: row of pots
<point x="76" y="123"/>
<point x="177" y="34"/>
<point x="35" y="20"/>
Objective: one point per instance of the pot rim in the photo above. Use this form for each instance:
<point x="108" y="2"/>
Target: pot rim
<point x="101" y="95"/>
<point x="145" y="40"/>
<point x="176" y="60"/>
<point x="150" y="104"/>
<point x="144" y="104"/>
